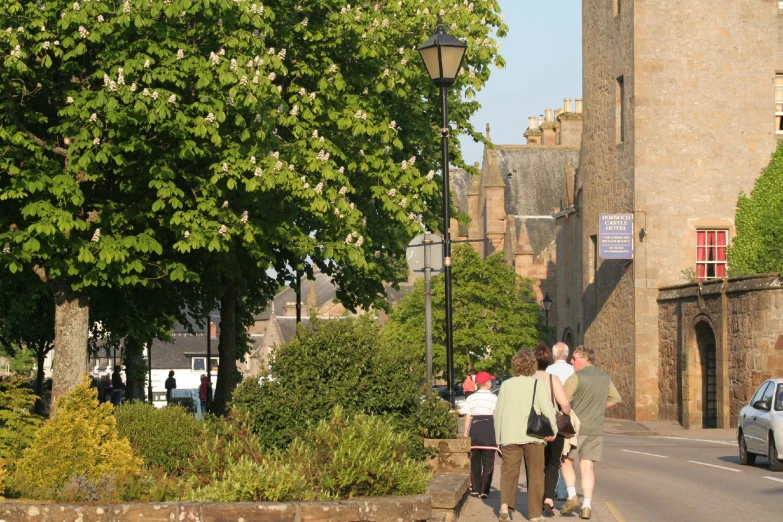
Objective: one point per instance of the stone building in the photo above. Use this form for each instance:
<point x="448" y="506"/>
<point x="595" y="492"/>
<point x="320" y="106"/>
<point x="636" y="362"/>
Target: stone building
<point x="511" y="204"/>
<point x="681" y="114"/>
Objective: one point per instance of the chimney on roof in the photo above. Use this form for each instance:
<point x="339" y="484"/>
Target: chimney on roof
<point x="290" y="309"/>
<point x="212" y="329"/>
<point x="532" y="134"/>
<point x="549" y="134"/>
<point x="578" y="106"/>
<point x="567" y="105"/>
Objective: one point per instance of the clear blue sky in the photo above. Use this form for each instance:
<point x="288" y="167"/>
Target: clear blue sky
<point x="543" y="53"/>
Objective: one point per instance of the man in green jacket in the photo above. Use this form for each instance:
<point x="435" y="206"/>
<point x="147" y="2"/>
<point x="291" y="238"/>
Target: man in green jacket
<point x="591" y="392"/>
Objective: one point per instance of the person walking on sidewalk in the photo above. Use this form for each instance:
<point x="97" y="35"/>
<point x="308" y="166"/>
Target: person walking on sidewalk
<point x="517" y="397"/>
<point x="469" y="385"/>
<point x="563" y="369"/>
<point x="554" y="450"/>
<point x="591" y="392"/>
<point x="479" y="410"/>
<point x="560" y="367"/>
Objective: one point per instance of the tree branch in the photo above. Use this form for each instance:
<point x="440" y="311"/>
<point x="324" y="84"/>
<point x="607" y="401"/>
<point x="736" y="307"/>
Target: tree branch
<point x="38" y="141"/>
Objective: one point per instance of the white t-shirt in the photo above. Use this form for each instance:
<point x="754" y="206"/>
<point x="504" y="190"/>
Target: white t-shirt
<point x="561" y="369"/>
<point x="482" y="402"/>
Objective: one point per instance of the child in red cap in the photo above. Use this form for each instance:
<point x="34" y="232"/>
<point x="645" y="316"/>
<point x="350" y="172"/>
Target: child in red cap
<point x="479" y="409"/>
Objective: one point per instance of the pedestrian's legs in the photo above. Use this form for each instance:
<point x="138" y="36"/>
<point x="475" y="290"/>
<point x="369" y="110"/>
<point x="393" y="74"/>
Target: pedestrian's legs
<point x="509" y="476"/>
<point x="475" y="472"/>
<point x="588" y="477"/>
<point x="488" y="468"/>
<point x="569" y="476"/>
<point x="534" y="467"/>
<point x="561" y="492"/>
<point x="552" y="455"/>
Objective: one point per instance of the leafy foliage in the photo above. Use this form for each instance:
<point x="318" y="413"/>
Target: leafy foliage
<point x="340" y="362"/>
<point x="79" y="443"/>
<point x="757" y="247"/>
<point x="494" y="315"/>
<point x="17" y="424"/>
<point x="341" y="457"/>
<point x="151" y="141"/>
<point x="162" y="437"/>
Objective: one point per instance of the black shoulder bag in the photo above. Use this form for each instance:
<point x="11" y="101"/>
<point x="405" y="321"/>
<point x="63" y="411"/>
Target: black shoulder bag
<point x="538" y="425"/>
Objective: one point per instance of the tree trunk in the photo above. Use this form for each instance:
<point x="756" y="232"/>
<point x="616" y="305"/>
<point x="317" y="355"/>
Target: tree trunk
<point x="71" y="333"/>
<point x="135" y="369"/>
<point x="227" y="347"/>
<point x="40" y="356"/>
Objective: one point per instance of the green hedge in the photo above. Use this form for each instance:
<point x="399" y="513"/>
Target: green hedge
<point x="163" y="437"/>
<point x="341" y="363"/>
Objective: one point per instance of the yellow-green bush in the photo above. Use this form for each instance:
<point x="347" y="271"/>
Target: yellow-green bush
<point x="2" y="478"/>
<point x="78" y="446"/>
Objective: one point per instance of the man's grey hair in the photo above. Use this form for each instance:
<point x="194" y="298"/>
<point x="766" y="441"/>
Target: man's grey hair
<point x="560" y="351"/>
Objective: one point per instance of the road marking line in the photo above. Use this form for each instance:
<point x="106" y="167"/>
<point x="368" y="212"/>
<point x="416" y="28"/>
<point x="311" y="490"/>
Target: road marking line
<point x="723" y="442"/>
<point x="773" y="478"/>
<point x="714" y="466"/>
<point x="615" y="512"/>
<point x="648" y="454"/>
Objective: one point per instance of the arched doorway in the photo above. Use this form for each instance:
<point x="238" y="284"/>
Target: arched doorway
<point x="568" y="338"/>
<point x="705" y="341"/>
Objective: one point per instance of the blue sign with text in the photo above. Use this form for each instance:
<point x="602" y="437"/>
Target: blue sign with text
<point x="615" y="239"/>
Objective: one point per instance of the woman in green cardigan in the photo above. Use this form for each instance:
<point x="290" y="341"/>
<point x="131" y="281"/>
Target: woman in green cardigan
<point x="511" y="415"/>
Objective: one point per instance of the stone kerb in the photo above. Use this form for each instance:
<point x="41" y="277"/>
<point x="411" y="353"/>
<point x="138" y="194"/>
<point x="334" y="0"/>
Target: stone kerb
<point x="414" y="508"/>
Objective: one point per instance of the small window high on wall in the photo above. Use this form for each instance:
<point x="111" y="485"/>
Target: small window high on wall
<point x="711" y="254"/>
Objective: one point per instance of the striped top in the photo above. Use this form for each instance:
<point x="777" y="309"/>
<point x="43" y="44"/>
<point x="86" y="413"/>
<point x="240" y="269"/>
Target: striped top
<point x="482" y="402"/>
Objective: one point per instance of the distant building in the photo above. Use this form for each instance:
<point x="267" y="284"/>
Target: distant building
<point x="512" y="203"/>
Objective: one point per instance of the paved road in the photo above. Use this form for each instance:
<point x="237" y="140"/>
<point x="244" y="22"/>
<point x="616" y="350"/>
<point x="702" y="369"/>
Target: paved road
<point x="654" y="479"/>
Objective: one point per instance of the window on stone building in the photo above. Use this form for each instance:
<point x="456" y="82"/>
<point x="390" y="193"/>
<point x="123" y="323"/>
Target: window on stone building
<point x="593" y="257"/>
<point x="619" y="110"/>
<point x="711" y="254"/>
<point x="779" y="103"/>
<point x="617" y="6"/>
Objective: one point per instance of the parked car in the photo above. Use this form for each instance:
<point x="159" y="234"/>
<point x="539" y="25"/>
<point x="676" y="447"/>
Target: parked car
<point x="188" y="399"/>
<point x="760" y="430"/>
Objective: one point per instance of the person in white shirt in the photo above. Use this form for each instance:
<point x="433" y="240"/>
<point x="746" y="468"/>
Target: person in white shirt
<point x="563" y="370"/>
<point x="560" y="367"/>
<point x="479" y="411"/>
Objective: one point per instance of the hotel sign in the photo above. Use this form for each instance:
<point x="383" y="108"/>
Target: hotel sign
<point x="615" y="239"/>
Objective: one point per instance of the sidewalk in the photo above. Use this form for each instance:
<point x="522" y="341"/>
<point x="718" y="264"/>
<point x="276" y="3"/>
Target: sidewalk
<point x="477" y="510"/>
<point x="667" y="429"/>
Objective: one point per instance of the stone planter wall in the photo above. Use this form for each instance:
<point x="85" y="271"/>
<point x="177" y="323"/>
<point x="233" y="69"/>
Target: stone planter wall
<point x="416" y="508"/>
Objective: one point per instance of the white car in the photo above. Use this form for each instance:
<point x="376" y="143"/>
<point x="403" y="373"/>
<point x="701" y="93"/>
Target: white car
<point x="760" y="430"/>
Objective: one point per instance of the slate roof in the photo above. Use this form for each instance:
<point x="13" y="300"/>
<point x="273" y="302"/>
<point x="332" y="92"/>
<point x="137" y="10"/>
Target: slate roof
<point x="178" y="354"/>
<point x="540" y="231"/>
<point x="534" y="177"/>
<point x="325" y="291"/>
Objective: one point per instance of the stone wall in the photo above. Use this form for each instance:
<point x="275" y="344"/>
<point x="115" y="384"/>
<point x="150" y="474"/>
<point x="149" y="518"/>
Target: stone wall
<point x="745" y="314"/>
<point x="382" y="509"/>
<point x="606" y="172"/>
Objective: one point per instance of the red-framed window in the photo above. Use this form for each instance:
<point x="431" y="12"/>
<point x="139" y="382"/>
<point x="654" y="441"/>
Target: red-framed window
<point x="711" y="254"/>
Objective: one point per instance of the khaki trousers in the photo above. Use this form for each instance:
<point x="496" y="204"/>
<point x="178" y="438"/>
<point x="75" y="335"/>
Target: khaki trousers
<point x="533" y="454"/>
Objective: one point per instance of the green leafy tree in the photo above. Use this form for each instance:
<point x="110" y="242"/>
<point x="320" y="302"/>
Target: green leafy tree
<point x="757" y="249"/>
<point x="494" y="315"/>
<point x="26" y="325"/>
<point x="136" y="133"/>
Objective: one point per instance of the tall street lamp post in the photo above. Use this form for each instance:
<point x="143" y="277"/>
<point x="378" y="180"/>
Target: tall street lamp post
<point x="547" y="304"/>
<point x="442" y="55"/>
